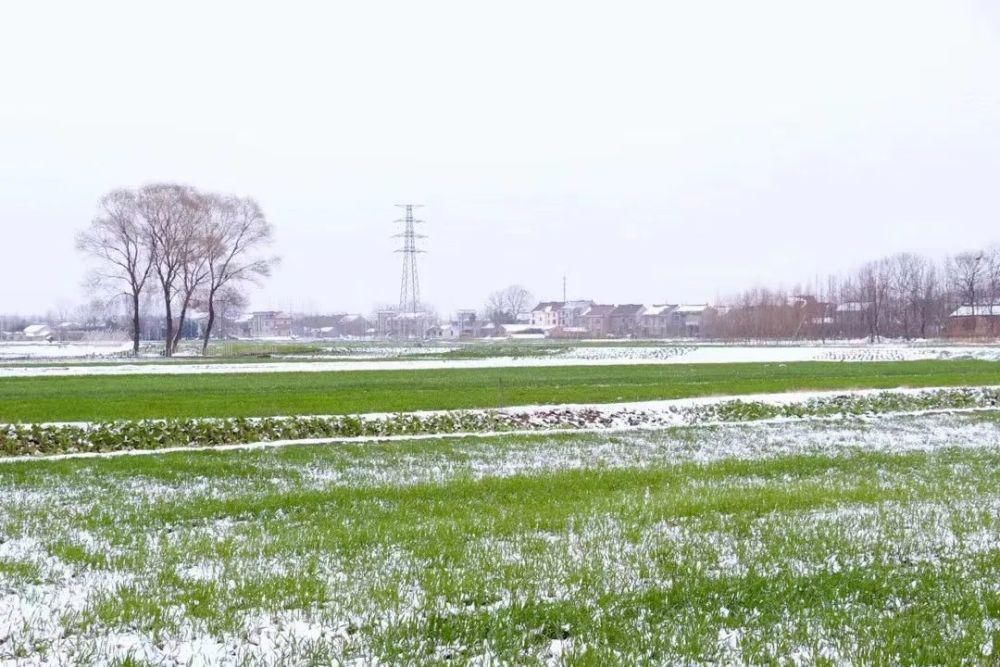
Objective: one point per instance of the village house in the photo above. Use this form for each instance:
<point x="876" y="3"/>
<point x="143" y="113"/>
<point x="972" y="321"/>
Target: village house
<point x="655" y="321"/>
<point x="595" y="320"/>
<point x="38" y="332"/>
<point x="270" y="324"/>
<point x="547" y="314"/>
<point x="691" y="320"/>
<point x="317" y="326"/>
<point x="967" y="321"/>
<point x="572" y="313"/>
<point x="353" y="325"/>
<point x="391" y="324"/>
<point x="623" y="321"/>
<point x="466" y="324"/>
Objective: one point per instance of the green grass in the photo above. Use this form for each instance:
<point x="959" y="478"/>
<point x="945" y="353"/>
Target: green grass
<point x="409" y="553"/>
<point x="230" y="395"/>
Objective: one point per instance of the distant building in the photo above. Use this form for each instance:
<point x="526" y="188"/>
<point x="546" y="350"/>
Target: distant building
<point x="38" y="332"/>
<point x="624" y="320"/>
<point x="572" y="313"/>
<point x="240" y="327"/>
<point x="270" y="324"/>
<point x="656" y="321"/>
<point x="690" y="320"/>
<point x="466" y="324"/>
<point x="391" y="324"/>
<point x="595" y="320"/>
<point x="967" y="321"/>
<point x="352" y="326"/>
<point x="548" y="314"/>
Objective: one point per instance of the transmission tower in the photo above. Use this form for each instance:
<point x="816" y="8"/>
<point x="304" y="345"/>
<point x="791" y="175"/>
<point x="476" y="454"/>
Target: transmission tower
<point x="409" y="286"/>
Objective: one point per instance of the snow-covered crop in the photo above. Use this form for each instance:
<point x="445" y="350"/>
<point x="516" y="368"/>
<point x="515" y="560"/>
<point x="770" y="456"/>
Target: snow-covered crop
<point x="843" y="541"/>
<point x="35" y="439"/>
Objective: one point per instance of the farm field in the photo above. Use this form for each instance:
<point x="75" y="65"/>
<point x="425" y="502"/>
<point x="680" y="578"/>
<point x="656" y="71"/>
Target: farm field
<point x="17" y="359"/>
<point x="849" y="541"/>
<point x="96" y="398"/>
<point x="797" y="513"/>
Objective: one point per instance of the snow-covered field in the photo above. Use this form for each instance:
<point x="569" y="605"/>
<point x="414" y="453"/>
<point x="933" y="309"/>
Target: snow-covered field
<point x="647" y="533"/>
<point x="850" y="542"/>
<point x="571" y="356"/>
<point x="29" y="351"/>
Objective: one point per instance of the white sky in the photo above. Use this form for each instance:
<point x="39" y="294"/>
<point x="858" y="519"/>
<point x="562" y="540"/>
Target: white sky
<point x="650" y="151"/>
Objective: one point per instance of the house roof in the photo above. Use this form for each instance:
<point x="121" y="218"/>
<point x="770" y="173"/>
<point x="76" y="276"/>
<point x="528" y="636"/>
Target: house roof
<point x="548" y="306"/>
<point x="598" y="310"/>
<point x="658" y="310"/>
<point x="627" y="310"/>
<point x="37" y="329"/>
<point x="986" y="309"/>
<point x="692" y="309"/>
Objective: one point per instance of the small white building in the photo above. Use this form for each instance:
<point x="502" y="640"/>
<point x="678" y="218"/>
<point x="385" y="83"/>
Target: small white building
<point x="38" y="332"/>
<point x="547" y="314"/>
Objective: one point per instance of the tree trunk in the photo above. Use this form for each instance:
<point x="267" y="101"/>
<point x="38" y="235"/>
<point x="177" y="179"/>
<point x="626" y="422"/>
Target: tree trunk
<point x="180" y="327"/>
<point x="136" y="328"/>
<point x="167" y="351"/>
<point x="208" y="324"/>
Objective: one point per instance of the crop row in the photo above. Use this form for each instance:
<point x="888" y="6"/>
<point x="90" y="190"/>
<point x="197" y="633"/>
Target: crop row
<point x="36" y="439"/>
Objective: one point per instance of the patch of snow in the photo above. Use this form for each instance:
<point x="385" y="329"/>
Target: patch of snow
<point x="572" y="356"/>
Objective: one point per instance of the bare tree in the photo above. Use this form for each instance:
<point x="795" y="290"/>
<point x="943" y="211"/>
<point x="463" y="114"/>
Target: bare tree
<point x="117" y="241"/>
<point x="236" y="235"/>
<point x="930" y="305"/>
<point x="873" y="285"/>
<point x="965" y="276"/>
<point x="503" y="306"/>
<point x="194" y="267"/>
<point x="906" y="274"/>
<point x="170" y="213"/>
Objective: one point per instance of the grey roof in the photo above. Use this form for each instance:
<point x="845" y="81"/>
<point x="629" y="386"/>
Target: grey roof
<point x="627" y="310"/>
<point x="598" y="310"/>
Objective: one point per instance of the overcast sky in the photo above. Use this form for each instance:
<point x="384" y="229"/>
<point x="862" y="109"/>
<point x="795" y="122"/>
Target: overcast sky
<point x="661" y="151"/>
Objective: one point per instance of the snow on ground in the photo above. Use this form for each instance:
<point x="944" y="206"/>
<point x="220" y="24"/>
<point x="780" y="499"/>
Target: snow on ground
<point x="385" y="351"/>
<point x="25" y="351"/>
<point x="41" y="620"/>
<point x="589" y="356"/>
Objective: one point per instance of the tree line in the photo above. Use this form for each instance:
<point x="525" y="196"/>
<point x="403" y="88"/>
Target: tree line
<point x="906" y="295"/>
<point x="186" y="248"/>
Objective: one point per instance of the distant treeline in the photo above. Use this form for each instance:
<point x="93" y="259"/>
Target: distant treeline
<point x="905" y="296"/>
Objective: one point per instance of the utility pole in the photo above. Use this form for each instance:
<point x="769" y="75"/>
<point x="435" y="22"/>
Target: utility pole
<point x="564" y="288"/>
<point x="409" y="284"/>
